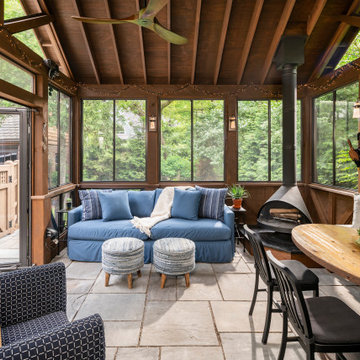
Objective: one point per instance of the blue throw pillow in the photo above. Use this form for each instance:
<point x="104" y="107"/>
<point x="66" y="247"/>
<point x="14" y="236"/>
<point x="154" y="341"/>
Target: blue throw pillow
<point x="91" y="208"/>
<point x="212" y="203"/>
<point x="186" y="204"/>
<point x="115" y="205"/>
<point x="141" y="203"/>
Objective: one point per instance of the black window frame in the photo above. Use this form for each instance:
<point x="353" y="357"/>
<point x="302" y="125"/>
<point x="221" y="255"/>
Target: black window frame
<point x="192" y="142"/>
<point x="113" y="141"/>
<point x="269" y="141"/>
<point x="57" y="160"/>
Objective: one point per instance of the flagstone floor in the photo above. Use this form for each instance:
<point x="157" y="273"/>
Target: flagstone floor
<point x="207" y="321"/>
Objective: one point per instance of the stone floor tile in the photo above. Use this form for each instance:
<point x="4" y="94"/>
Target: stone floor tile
<point x="203" y="285"/>
<point x="178" y="323"/>
<point x="118" y="283"/>
<point x="232" y="316"/>
<point x="238" y="265"/>
<point x="327" y="278"/>
<point x="62" y="257"/>
<point x="349" y="294"/>
<point x="78" y="286"/>
<point x="83" y="270"/>
<point x="155" y="293"/>
<point x="122" y="333"/>
<point x="114" y="306"/>
<point x="73" y="304"/>
<point x="110" y="353"/>
<point x="139" y="353"/>
<point x="192" y="353"/>
<point x="238" y="286"/>
<point x="248" y="346"/>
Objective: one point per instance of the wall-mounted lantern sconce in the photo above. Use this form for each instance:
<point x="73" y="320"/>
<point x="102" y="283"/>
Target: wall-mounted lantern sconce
<point x="152" y="123"/>
<point x="232" y="123"/>
<point x="356" y="113"/>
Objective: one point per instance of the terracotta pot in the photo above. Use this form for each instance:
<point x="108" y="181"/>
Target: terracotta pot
<point x="237" y="203"/>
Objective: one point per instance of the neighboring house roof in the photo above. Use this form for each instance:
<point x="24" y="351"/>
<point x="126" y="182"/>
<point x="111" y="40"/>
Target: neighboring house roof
<point x="9" y="128"/>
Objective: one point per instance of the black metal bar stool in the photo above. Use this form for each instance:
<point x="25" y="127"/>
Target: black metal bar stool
<point x="306" y="278"/>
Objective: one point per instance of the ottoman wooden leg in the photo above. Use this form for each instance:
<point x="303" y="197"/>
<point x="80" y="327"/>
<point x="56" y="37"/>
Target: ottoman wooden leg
<point x="163" y="279"/>
<point x="139" y="273"/>
<point x="130" y="281"/>
<point x="187" y="279"/>
<point x="107" y="278"/>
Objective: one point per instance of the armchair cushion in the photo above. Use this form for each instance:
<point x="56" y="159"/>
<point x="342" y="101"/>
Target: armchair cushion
<point x="32" y="292"/>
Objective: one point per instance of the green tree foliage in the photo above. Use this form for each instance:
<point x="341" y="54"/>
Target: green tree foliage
<point x="98" y="140"/>
<point x="333" y="115"/>
<point x="352" y="53"/>
<point x="192" y="134"/>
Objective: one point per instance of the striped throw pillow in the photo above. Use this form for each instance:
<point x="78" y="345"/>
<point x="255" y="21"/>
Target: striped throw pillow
<point x="212" y="203"/>
<point x="91" y="208"/>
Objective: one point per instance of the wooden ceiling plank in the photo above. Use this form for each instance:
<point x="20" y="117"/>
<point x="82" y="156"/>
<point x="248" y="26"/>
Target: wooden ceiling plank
<point x="334" y="43"/>
<point x="26" y="23"/>
<point x="2" y="10"/>
<point x="285" y="15"/>
<point x="87" y="43"/>
<point x="54" y="39"/>
<point x="196" y="39"/>
<point x="224" y="29"/>
<point x="351" y="20"/>
<point x="168" y="9"/>
<point x="142" y="51"/>
<point x="249" y="39"/>
<point x="314" y="16"/>
<point x="114" y="41"/>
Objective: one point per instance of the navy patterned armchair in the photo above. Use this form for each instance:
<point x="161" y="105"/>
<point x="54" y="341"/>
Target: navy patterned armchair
<point x="33" y="318"/>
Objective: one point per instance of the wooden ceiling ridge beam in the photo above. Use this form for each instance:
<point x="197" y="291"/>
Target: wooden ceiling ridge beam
<point x="223" y="34"/>
<point x="333" y="44"/>
<point x="168" y="11"/>
<point x="26" y="23"/>
<point x="114" y="41"/>
<point x="284" y="18"/>
<point x="87" y="43"/>
<point x="54" y="39"/>
<point x="142" y="51"/>
<point x="314" y="16"/>
<point x="196" y="40"/>
<point x="249" y="39"/>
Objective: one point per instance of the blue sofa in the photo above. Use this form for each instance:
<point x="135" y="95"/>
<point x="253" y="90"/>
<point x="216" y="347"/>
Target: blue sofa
<point x="214" y="239"/>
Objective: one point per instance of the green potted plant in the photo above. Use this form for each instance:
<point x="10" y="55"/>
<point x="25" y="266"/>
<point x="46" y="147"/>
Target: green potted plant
<point x="358" y="239"/>
<point x="237" y="193"/>
<point x="68" y="202"/>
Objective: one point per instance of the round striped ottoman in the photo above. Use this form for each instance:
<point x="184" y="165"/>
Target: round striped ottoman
<point x="174" y="256"/>
<point x="122" y="256"/>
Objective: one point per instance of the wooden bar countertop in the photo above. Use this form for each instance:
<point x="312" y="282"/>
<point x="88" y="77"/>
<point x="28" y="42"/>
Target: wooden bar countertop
<point x="332" y="246"/>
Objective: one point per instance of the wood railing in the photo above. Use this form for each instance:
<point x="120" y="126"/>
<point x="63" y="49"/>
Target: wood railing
<point x="9" y="197"/>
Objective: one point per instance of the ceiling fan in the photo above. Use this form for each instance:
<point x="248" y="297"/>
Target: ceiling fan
<point x="145" y="18"/>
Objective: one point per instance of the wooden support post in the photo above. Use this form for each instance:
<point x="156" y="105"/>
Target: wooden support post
<point x="231" y="154"/>
<point x="2" y="10"/>
<point x="153" y="153"/>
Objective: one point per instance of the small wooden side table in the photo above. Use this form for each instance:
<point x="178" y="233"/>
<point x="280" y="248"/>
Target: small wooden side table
<point x="240" y="221"/>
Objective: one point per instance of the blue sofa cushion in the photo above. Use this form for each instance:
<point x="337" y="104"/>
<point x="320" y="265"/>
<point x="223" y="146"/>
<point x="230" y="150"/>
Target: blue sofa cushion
<point x="115" y="205"/>
<point x="91" y="208"/>
<point x="186" y="204"/>
<point x="212" y="202"/>
<point x="157" y="194"/>
<point x="141" y="203"/>
<point x="100" y="230"/>
<point x="198" y="230"/>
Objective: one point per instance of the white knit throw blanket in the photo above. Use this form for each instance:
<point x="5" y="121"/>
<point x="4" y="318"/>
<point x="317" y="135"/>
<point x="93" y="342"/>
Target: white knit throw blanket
<point x="161" y="212"/>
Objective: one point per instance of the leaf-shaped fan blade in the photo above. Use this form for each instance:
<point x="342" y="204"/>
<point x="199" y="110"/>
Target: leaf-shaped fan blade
<point x="130" y="19"/>
<point x="169" y="35"/>
<point x="154" y="6"/>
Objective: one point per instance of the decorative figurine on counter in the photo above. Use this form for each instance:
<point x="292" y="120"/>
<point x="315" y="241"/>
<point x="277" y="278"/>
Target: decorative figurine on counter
<point x="355" y="153"/>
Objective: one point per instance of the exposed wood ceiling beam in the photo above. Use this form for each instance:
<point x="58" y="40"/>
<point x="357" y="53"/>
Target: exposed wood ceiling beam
<point x="196" y="39"/>
<point x="222" y="39"/>
<point x="285" y="15"/>
<point x="351" y="20"/>
<point x="86" y="42"/>
<point x="168" y="9"/>
<point x="249" y="39"/>
<point x="54" y="39"/>
<point x="314" y="16"/>
<point x="113" y="39"/>
<point x="142" y="52"/>
<point x="334" y="43"/>
<point x="27" y="22"/>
